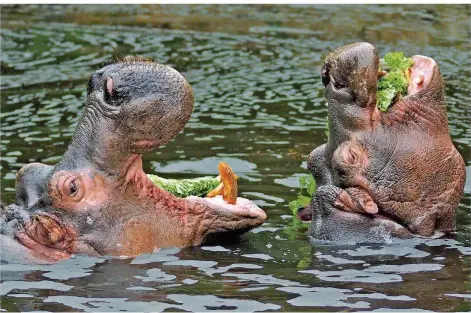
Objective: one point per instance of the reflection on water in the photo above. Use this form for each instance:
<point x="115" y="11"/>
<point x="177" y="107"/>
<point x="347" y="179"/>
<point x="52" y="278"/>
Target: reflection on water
<point x="259" y="107"/>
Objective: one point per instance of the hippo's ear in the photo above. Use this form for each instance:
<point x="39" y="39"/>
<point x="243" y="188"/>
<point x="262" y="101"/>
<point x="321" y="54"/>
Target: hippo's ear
<point x="305" y="214"/>
<point x="30" y="182"/>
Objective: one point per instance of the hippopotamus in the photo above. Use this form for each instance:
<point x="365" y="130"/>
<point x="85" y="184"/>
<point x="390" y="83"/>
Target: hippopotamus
<point x="383" y="175"/>
<point x="97" y="199"/>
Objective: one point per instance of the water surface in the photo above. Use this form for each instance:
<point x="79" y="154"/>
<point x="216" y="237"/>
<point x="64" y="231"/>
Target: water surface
<point x="259" y="107"/>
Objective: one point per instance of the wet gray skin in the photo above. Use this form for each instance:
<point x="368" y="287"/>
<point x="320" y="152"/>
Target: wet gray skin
<point x="97" y="200"/>
<point x="383" y="174"/>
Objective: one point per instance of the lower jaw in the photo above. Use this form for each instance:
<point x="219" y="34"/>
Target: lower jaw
<point x="227" y="237"/>
<point x="243" y="208"/>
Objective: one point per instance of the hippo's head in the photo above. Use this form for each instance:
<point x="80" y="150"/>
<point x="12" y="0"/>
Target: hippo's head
<point x="349" y="75"/>
<point x="389" y="173"/>
<point x="97" y="198"/>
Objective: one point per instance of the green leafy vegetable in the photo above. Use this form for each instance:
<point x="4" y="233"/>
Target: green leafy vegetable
<point x="307" y="186"/>
<point x="397" y="61"/>
<point x="385" y="97"/>
<point x="394" y="83"/>
<point x="199" y="187"/>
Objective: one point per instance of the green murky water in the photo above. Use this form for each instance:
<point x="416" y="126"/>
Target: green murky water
<point x="260" y="108"/>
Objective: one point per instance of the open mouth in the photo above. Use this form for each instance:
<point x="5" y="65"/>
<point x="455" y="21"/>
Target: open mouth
<point x="402" y="78"/>
<point x="243" y="213"/>
<point x="419" y="76"/>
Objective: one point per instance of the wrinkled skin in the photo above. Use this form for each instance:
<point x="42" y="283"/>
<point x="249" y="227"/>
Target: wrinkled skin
<point x="383" y="174"/>
<point x="97" y="200"/>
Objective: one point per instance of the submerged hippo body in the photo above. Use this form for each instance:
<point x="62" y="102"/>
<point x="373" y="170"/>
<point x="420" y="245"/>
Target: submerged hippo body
<point x="97" y="200"/>
<point x="383" y="174"/>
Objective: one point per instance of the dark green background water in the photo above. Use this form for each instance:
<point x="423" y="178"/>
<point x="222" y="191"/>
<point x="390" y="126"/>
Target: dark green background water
<point x="259" y="107"/>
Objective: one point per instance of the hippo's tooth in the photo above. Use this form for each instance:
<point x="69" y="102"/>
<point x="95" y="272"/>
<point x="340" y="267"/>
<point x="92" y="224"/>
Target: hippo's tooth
<point x="420" y="78"/>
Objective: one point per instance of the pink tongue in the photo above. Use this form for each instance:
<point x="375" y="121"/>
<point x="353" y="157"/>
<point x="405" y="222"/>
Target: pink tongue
<point x="421" y="73"/>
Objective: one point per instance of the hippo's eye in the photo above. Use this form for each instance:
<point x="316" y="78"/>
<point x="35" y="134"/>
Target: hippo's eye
<point x="72" y="188"/>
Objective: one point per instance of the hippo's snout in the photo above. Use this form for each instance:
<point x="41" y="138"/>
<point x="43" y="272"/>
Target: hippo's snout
<point x="155" y="102"/>
<point x="350" y="74"/>
<point x="359" y="54"/>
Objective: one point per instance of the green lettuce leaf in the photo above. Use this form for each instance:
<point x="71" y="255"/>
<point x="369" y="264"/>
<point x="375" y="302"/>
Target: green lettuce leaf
<point x="181" y="188"/>
<point x="394" y="83"/>
<point x="397" y="61"/>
